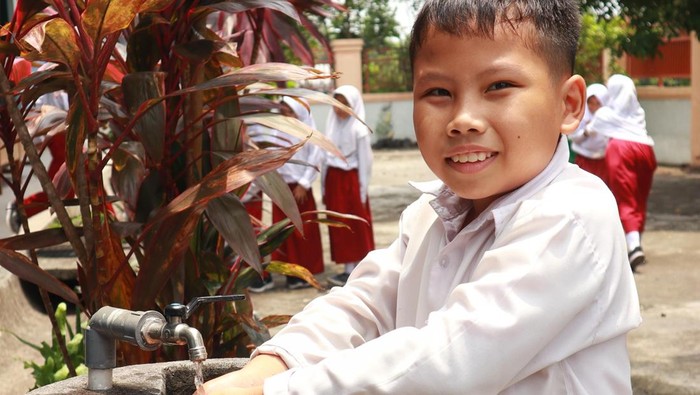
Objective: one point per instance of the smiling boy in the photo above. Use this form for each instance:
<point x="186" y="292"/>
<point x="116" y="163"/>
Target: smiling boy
<point x="510" y="273"/>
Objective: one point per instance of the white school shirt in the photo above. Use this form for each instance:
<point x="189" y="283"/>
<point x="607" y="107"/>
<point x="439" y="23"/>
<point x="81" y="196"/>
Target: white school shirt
<point x="303" y="167"/>
<point x="535" y="296"/>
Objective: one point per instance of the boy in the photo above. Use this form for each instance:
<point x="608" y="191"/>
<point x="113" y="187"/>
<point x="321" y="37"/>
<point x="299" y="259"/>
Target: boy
<point x="509" y="276"/>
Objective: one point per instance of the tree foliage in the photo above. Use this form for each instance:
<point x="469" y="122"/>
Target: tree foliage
<point x="650" y="21"/>
<point x="371" y="20"/>
<point x="597" y="35"/>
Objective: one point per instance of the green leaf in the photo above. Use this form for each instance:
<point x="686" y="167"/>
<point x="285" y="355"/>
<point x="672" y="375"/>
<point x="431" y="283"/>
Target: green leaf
<point x="60" y="315"/>
<point x="75" y="346"/>
<point x="61" y="374"/>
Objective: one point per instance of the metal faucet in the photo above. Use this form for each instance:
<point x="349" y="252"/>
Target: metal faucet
<point x="145" y="329"/>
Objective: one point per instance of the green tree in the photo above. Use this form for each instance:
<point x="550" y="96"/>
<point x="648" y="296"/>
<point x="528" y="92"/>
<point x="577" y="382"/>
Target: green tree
<point x="598" y="34"/>
<point x="650" y="21"/>
<point x="371" y="20"/>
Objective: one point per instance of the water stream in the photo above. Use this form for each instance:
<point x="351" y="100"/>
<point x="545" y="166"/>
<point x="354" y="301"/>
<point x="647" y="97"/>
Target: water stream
<point x="198" y="378"/>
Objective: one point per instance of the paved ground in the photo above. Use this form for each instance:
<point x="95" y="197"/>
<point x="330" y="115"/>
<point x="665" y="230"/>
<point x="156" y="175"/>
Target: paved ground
<point x="665" y="350"/>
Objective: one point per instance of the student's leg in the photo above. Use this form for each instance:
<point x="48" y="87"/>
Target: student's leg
<point x="621" y="168"/>
<point x="630" y="170"/>
<point x="646" y="165"/>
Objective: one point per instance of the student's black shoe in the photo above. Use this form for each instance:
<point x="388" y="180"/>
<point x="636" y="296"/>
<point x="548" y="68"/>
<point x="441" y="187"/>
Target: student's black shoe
<point x="339" y="279"/>
<point x="297" y="283"/>
<point x="261" y="285"/>
<point x="637" y="258"/>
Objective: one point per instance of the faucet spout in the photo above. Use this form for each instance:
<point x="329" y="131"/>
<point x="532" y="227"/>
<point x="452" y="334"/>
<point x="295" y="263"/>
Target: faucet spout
<point x="195" y="344"/>
<point x="146" y="329"/>
<point x="178" y="333"/>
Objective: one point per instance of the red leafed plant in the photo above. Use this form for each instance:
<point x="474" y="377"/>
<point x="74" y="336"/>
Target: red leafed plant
<point x="160" y="92"/>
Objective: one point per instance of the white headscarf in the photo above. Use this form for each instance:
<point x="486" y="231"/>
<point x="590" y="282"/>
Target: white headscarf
<point x="345" y="132"/>
<point x="623" y="118"/>
<point x="601" y="93"/>
<point x="302" y="112"/>
<point x="594" y="145"/>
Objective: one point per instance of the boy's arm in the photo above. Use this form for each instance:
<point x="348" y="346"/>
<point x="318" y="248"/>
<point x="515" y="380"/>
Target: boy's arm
<point x="248" y="380"/>
<point x="549" y="289"/>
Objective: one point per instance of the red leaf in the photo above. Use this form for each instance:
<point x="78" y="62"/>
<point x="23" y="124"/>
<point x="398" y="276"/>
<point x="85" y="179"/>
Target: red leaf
<point x="23" y="268"/>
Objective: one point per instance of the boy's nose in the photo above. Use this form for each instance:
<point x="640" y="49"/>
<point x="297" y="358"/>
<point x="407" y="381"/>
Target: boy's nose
<point x="466" y="120"/>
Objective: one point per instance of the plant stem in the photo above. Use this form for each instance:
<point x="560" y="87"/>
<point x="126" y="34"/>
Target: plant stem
<point x="50" y="190"/>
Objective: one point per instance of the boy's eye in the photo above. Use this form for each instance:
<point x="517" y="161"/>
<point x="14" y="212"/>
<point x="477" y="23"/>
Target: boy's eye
<point x="499" y="85"/>
<point x="438" y="92"/>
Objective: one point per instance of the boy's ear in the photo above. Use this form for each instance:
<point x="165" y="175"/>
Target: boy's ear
<point x="574" y="100"/>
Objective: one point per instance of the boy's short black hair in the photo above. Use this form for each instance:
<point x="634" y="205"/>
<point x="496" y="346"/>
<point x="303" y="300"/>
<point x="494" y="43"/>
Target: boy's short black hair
<point x="556" y="25"/>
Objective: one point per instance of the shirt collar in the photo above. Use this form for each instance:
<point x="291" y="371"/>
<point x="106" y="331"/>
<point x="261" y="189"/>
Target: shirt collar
<point x="452" y="209"/>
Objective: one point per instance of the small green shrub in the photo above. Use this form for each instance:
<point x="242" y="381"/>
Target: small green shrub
<point x="54" y="368"/>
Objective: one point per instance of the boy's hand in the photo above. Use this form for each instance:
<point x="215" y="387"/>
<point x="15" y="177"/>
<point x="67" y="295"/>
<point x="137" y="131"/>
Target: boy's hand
<point x="248" y="380"/>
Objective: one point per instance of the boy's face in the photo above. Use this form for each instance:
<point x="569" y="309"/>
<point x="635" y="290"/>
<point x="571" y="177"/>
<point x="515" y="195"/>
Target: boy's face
<point x="488" y="113"/>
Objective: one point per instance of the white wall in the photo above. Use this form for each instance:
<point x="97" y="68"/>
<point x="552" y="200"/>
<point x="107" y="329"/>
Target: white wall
<point x="668" y="123"/>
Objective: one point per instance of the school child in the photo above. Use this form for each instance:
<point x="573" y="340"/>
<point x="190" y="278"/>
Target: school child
<point x="590" y="147"/>
<point x="629" y="159"/>
<point x="346" y="182"/>
<point x="300" y="173"/>
<point x="509" y="275"/>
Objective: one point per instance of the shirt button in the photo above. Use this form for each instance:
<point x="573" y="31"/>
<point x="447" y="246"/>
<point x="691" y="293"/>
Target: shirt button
<point x="443" y="261"/>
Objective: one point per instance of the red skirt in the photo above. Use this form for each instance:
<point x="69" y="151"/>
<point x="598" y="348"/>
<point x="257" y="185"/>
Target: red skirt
<point x="630" y="169"/>
<point x="305" y="250"/>
<point x="342" y="194"/>
<point x="593" y="166"/>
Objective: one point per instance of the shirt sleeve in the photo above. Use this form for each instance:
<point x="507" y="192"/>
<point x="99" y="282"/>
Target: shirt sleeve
<point x="364" y="159"/>
<point x="537" y="296"/>
<point x="313" y="159"/>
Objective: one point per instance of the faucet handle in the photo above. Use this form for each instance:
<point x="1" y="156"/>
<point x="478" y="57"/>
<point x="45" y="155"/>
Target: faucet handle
<point x="184" y="311"/>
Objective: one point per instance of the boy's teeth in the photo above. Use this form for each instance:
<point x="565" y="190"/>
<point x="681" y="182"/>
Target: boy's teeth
<point x="472" y="157"/>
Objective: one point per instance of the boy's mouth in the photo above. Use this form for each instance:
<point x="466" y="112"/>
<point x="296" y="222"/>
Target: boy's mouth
<point x="472" y="157"/>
